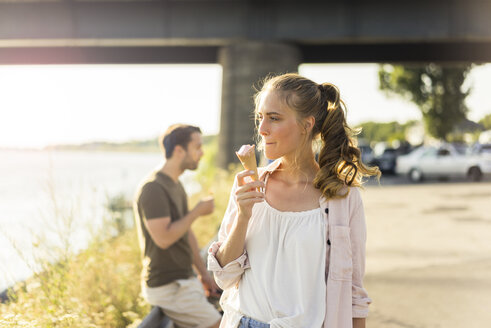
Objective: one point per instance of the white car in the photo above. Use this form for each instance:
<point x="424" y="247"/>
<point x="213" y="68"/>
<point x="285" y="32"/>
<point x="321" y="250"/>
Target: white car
<point x="443" y="162"/>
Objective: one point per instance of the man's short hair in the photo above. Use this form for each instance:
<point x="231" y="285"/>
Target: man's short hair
<point x="177" y="134"/>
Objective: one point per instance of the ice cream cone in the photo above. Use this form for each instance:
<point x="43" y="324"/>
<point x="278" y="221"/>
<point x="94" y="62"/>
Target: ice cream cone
<point x="247" y="157"/>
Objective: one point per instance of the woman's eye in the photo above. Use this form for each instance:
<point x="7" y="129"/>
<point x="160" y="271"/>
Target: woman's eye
<point x="271" y="118"/>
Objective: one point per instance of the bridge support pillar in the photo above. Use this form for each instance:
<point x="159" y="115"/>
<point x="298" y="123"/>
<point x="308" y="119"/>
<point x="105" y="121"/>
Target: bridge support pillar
<point x="244" y="65"/>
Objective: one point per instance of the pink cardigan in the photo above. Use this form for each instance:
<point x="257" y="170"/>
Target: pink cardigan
<point x="345" y="266"/>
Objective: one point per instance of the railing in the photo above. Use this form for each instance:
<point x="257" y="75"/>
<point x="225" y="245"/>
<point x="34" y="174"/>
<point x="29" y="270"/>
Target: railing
<point x="155" y="319"/>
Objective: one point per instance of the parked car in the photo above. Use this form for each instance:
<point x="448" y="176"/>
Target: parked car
<point x="480" y="160"/>
<point x="442" y="162"/>
<point x="385" y="157"/>
<point x="386" y="161"/>
<point x="366" y="154"/>
<point x="479" y="149"/>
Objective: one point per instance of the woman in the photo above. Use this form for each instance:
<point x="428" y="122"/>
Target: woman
<point x="291" y="249"/>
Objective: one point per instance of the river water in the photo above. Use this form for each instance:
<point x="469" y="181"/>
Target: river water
<point x="47" y="197"/>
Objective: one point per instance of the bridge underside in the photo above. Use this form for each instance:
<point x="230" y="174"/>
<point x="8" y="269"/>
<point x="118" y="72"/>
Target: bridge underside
<point x="192" y="31"/>
<point x="310" y="53"/>
<point x="250" y="39"/>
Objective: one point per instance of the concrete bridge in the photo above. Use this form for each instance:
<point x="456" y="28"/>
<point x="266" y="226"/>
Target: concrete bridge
<point x="248" y="38"/>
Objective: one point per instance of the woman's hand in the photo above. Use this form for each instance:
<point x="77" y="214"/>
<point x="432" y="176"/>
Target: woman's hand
<point x="247" y="194"/>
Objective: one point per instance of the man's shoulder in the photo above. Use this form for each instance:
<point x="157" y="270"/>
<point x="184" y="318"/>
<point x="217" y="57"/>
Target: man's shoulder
<point x="149" y="185"/>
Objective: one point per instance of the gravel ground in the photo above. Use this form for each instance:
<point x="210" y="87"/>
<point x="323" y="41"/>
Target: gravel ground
<point x="429" y="254"/>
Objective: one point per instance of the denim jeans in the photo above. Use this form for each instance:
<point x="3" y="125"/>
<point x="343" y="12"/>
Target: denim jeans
<point x="246" y="322"/>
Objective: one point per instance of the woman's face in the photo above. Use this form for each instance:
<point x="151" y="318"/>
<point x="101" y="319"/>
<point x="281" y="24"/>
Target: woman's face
<point x="278" y="126"/>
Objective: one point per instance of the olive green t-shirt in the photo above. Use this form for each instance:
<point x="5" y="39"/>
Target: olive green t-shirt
<point x="160" y="196"/>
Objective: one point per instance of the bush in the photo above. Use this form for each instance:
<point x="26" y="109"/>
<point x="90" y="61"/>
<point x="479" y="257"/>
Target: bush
<point x="100" y="286"/>
<point x="215" y="181"/>
<point x="96" y="288"/>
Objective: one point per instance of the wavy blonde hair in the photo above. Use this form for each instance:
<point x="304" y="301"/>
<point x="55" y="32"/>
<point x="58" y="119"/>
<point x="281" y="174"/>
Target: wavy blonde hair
<point x="339" y="158"/>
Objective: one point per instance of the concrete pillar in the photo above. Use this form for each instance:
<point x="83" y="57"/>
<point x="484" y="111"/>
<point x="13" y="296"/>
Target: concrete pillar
<point x="244" y="65"/>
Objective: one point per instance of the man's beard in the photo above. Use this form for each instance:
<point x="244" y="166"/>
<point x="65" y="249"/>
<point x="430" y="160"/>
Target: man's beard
<point x="189" y="164"/>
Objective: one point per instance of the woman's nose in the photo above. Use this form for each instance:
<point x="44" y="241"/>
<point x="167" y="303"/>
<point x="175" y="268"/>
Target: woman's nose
<point x="263" y="128"/>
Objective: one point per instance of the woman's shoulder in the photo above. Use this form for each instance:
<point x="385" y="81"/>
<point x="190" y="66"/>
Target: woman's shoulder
<point x="354" y="192"/>
<point x="261" y="170"/>
<point x="354" y="200"/>
<point x="270" y="167"/>
<point x="349" y="195"/>
<point x="354" y="195"/>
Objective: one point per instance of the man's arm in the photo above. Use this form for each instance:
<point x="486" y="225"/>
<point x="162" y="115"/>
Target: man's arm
<point x="164" y="232"/>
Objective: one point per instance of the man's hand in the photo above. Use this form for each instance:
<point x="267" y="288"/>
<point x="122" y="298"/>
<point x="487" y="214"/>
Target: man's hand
<point x="210" y="286"/>
<point x="206" y="206"/>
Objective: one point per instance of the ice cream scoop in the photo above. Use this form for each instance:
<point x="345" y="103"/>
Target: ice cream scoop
<point x="247" y="157"/>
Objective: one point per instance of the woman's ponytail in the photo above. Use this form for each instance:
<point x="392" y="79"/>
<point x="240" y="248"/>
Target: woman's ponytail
<point x="339" y="158"/>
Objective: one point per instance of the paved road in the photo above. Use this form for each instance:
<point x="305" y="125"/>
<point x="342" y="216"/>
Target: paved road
<point x="429" y="254"/>
<point x="392" y="179"/>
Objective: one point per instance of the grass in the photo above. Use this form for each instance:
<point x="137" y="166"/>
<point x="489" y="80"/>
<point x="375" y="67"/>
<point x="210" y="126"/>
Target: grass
<point x="95" y="288"/>
<point x="218" y="182"/>
<point x="100" y="286"/>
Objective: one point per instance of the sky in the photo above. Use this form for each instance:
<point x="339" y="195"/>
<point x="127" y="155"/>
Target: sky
<point x="70" y="104"/>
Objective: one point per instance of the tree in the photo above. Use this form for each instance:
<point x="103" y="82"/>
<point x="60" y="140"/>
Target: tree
<point x="436" y="89"/>
<point x="486" y="122"/>
<point x="385" y="131"/>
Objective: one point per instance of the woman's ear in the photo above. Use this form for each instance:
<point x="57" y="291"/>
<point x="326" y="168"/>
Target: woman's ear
<point x="308" y="124"/>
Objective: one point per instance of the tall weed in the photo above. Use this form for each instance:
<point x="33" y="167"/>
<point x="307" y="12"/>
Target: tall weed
<point x="215" y="181"/>
<point x="100" y="286"/>
<point x="96" y="287"/>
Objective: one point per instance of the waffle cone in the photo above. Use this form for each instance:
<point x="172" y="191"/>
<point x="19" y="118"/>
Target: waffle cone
<point x="249" y="162"/>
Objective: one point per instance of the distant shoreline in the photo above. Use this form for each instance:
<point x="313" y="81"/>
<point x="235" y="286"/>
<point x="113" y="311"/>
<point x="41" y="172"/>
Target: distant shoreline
<point x="136" y="146"/>
<point x="74" y="149"/>
<point x="147" y="146"/>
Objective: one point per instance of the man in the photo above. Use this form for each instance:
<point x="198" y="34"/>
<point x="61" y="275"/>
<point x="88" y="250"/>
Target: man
<point x="168" y="244"/>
